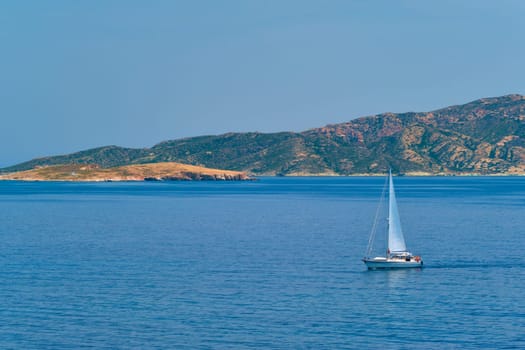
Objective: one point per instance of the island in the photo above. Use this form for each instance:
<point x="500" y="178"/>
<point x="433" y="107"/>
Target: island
<point x="166" y="171"/>
<point x="482" y="137"/>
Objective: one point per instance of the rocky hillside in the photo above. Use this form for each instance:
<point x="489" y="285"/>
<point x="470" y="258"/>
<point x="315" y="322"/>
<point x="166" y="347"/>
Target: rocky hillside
<point x="486" y="136"/>
<point x="140" y="172"/>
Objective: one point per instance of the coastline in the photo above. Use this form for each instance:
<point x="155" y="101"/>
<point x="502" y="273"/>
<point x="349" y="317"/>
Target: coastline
<point x="248" y="178"/>
<point x="167" y="171"/>
<point x="171" y="171"/>
<point x="409" y="174"/>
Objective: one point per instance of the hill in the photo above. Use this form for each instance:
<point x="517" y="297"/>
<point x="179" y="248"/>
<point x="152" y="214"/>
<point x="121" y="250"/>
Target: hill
<point x="486" y="136"/>
<point x="141" y="172"/>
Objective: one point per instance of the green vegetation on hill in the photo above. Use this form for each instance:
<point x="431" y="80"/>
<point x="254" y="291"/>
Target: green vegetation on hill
<point x="486" y="136"/>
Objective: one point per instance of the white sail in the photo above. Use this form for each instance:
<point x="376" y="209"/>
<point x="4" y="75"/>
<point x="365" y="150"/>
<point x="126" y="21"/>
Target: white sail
<point x="397" y="255"/>
<point x="396" y="241"/>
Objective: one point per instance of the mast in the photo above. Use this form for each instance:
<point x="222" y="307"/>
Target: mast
<point x="376" y="219"/>
<point x="396" y="241"/>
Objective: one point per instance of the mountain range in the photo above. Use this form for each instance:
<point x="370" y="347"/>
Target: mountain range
<point x="486" y="136"/>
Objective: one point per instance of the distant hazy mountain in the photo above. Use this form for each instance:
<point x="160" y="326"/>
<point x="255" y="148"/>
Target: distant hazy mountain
<point x="486" y="136"/>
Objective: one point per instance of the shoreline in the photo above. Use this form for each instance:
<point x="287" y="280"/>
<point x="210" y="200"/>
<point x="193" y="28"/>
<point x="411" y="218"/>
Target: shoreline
<point x="248" y="178"/>
<point x="167" y="171"/>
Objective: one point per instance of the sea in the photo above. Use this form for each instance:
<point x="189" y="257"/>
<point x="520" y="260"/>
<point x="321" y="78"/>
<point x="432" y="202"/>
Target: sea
<point x="268" y="264"/>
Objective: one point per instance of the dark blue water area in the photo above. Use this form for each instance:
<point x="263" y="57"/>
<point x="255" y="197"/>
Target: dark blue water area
<point x="273" y="263"/>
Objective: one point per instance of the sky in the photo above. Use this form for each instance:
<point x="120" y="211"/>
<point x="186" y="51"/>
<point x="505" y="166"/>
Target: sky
<point x="87" y="73"/>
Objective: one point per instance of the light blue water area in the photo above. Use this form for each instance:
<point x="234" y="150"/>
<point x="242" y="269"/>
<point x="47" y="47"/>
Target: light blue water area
<point x="273" y="263"/>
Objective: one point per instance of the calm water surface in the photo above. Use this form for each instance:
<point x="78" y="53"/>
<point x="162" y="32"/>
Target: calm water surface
<point x="268" y="264"/>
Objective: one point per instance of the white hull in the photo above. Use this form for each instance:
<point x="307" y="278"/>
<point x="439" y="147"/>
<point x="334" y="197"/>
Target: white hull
<point x="382" y="263"/>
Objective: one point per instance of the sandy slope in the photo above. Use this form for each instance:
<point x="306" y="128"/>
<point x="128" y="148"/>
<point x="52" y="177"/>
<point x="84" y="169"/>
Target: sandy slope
<point x="140" y="172"/>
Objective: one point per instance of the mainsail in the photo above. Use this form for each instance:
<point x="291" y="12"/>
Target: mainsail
<point x="396" y="241"/>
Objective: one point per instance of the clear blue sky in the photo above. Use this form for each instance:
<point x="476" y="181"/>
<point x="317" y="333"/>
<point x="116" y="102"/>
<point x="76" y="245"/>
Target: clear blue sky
<point x="81" y="74"/>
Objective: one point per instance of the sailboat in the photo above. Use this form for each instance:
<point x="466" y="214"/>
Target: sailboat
<point x="397" y="255"/>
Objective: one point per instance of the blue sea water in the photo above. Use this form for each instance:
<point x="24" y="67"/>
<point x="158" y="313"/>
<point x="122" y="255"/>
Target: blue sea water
<point x="273" y="263"/>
